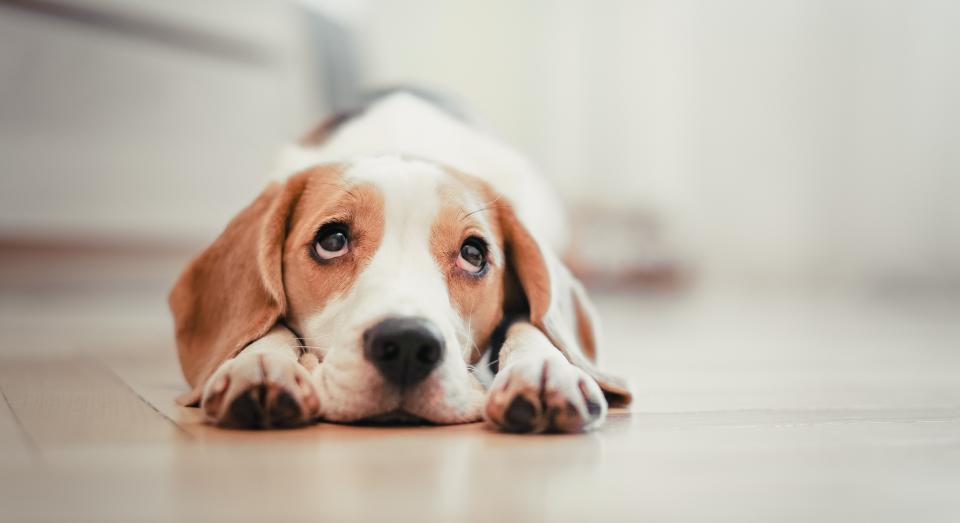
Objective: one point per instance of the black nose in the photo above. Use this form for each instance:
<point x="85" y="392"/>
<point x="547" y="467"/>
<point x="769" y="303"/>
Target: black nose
<point x="404" y="350"/>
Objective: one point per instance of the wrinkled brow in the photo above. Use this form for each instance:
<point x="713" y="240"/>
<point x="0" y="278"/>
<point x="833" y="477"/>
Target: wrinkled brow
<point x="332" y="199"/>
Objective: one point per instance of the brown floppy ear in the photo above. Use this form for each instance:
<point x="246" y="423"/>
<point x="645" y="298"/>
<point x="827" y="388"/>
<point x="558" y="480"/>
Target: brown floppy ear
<point x="232" y="293"/>
<point x="558" y="304"/>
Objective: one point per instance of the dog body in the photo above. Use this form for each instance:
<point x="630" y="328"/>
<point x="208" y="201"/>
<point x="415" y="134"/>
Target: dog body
<point x="393" y="248"/>
<point x="402" y="124"/>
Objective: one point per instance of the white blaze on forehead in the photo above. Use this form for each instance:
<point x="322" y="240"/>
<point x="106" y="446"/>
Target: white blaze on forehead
<point x="403" y="277"/>
<point x="398" y="176"/>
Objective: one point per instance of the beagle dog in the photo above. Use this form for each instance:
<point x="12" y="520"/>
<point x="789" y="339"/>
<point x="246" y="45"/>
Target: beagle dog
<point x="396" y="260"/>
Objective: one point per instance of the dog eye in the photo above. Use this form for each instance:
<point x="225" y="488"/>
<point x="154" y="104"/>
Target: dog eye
<point x="332" y="241"/>
<point x="473" y="255"/>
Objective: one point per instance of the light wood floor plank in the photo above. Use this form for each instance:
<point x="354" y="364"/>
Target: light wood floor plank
<point x="805" y="409"/>
<point x="16" y="448"/>
<point x="75" y="402"/>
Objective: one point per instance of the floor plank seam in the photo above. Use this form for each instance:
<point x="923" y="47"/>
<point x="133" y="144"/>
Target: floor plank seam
<point x="24" y="435"/>
<point x="778" y="417"/>
<point x="152" y="407"/>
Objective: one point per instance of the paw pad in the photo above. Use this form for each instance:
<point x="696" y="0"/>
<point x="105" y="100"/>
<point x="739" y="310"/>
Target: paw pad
<point x="520" y="415"/>
<point x="263" y="406"/>
<point x="549" y="396"/>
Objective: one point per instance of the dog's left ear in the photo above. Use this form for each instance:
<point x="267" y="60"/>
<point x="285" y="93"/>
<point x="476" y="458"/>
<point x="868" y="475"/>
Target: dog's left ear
<point x="557" y="302"/>
<point x="232" y="293"/>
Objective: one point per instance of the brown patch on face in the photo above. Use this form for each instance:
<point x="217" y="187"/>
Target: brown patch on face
<point x="478" y="299"/>
<point x="310" y="284"/>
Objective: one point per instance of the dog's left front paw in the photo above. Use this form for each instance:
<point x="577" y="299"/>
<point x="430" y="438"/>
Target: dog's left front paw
<point x="260" y="391"/>
<point x="545" y="395"/>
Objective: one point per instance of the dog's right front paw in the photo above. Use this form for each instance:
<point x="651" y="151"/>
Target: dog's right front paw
<point x="260" y="391"/>
<point x="545" y="395"/>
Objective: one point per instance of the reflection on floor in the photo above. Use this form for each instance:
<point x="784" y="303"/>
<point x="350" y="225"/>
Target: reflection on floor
<point x="766" y="407"/>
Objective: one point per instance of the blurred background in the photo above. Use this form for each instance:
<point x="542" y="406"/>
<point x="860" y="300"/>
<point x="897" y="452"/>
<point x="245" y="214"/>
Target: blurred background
<point x="760" y="142"/>
<point x="767" y="210"/>
<point x="764" y="191"/>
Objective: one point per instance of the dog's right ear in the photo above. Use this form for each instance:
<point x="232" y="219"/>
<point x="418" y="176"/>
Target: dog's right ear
<point x="232" y="293"/>
<point x="557" y="303"/>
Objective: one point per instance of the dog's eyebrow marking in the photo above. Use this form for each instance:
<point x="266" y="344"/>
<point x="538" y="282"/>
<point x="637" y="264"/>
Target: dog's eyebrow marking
<point x="342" y="187"/>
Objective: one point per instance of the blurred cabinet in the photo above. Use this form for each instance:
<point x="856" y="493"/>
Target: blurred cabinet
<point x="144" y="119"/>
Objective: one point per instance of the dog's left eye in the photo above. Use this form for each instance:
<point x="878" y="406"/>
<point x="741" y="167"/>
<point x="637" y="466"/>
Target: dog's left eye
<point x="332" y="241"/>
<point x="473" y="255"/>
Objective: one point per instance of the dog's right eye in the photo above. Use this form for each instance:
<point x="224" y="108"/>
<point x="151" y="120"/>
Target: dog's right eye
<point x="473" y="256"/>
<point x="331" y="242"/>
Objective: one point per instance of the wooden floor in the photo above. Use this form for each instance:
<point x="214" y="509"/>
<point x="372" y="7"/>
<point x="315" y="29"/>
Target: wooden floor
<point x="765" y="407"/>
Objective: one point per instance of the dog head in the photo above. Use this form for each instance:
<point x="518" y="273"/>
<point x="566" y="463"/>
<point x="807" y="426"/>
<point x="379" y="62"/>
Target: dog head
<point x="396" y="273"/>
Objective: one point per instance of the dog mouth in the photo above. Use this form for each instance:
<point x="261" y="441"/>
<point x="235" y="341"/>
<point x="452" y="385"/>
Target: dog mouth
<point x="395" y="418"/>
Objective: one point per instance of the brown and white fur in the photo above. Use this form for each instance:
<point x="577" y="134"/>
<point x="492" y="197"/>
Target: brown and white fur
<point x="270" y="335"/>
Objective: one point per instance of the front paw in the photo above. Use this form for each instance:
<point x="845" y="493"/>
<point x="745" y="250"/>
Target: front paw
<point x="260" y="391"/>
<point x="539" y="395"/>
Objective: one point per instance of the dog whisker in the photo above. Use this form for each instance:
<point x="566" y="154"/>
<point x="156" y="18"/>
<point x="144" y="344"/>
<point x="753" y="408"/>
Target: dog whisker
<point x="490" y="205"/>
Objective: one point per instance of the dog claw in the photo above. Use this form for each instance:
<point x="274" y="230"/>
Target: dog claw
<point x="246" y="394"/>
<point x="544" y="397"/>
<point x="264" y="407"/>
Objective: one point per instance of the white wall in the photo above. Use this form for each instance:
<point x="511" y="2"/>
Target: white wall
<point x="768" y="139"/>
<point x="106" y="135"/>
<point x="801" y="140"/>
